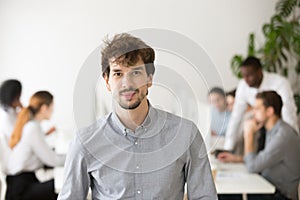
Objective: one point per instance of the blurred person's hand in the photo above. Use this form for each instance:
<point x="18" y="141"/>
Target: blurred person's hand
<point x="213" y="133"/>
<point x="251" y="126"/>
<point x="229" y="157"/>
<point x="51" y="130"/>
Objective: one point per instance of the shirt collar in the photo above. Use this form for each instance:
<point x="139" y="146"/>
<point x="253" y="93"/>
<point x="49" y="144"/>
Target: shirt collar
<point x="275" y="127"/>
<point x="152" y="124"/>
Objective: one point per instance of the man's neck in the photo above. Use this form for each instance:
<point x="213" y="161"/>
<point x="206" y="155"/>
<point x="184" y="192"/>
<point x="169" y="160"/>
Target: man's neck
<point x="131" y="119"/>
<point x="260" y="81"/>
<point x="271" y="122"/>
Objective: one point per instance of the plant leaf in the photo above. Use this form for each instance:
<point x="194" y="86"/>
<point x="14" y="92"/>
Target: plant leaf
<point x="236" y="62"/>
<point x="251" y="45"/>
<point x="285" y="7"/>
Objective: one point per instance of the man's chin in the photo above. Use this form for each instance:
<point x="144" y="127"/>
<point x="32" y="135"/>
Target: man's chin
<point x="130" y="106"/>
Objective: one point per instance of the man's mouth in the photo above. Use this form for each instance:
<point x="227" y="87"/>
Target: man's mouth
<point x="128" y="94"/>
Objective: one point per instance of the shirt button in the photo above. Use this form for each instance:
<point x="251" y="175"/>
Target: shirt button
<point x="137" y="166"/>
<point x="138" y="191"/>
<point x="135" y="142"/>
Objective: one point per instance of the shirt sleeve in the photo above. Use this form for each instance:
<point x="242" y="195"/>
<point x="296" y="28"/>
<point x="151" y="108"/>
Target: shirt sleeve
<point x="41" y="148"/>
<point x="200" y="184"/>
<point x="289" y="109"/>
<point x="77" y="180"/>
<point x="270" y="156"/>
<point x="240" y="105"/>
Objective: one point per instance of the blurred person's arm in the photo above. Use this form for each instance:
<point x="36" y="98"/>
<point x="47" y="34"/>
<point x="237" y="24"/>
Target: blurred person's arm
<point x="198" y="175"/>
<point x="229" y="157"/>
<point x="77" y="179"/>
<point x="270" y="156"/>
<point x="51" y="130"/>
<point x="289" y="109"/>
<point x="41" y="148"/>
<point x="239" y="108"/>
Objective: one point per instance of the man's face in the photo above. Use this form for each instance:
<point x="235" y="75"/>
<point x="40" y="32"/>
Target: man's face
<point x="128" y="84"/>
<point x="230" y="102"/>
<point x="260" y="111"/>
<point x="218" y="101"/>
<point x="251" y="75"/>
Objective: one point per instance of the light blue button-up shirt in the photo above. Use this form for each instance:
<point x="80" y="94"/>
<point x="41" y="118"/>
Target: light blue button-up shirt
<point x="152" y="162"/>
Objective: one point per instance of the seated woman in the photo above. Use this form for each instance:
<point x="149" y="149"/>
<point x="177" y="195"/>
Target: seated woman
<point x="30" y="152"/>
<point x="219" y="113"/>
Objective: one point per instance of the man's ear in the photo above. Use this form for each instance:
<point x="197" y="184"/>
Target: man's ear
<point x="270" y="111"/>
<point x="149" y="80"/>
<point x="106" y="82"/>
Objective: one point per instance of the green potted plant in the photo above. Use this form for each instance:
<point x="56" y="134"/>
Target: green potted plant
<point x="280" y="53"/>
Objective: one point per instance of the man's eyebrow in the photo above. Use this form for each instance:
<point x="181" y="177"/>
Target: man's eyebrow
<point x="116" y="70"/>
<point x="138" y="68"/>
<point x="132" y="68"/>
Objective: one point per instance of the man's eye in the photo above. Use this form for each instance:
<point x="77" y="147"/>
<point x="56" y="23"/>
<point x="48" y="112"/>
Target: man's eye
<point x="136" y="73"/>
<point x="117" y="74"/>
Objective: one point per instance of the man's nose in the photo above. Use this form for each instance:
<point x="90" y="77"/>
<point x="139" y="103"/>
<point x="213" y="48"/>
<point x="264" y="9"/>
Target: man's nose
<point x="127" y="81"/>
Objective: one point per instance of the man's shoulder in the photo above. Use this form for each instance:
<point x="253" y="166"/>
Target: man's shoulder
<point x="31" y="126"/>
<point x="175" y="121"/>
<point x="286" y="130"/>
<point x="89" y="131"/>
<point x="271" y="76"/>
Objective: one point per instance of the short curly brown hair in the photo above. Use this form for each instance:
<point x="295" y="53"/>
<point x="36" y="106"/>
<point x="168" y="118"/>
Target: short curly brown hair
<point x="126" y="49"/>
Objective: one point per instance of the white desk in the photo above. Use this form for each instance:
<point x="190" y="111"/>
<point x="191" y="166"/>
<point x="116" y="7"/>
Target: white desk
<point x="233" y="178"/>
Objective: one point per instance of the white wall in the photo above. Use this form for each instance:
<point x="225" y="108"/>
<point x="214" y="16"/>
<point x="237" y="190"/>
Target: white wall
<point x="45" y="43"/>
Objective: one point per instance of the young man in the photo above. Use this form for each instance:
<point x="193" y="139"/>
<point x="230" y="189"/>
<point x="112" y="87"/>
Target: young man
<point x="279" y="161"/>
<point x="256" y="80"/>
<point x="136" y="151"/>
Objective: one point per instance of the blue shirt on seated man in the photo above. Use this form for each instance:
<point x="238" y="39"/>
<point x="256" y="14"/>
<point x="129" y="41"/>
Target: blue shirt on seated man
<point x="219" y="114"/>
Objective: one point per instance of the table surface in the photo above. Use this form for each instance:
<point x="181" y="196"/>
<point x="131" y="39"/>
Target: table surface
<point x="233" y="178"/>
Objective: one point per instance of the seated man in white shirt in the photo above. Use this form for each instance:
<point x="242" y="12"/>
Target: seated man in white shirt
<point x="256" y="80"/>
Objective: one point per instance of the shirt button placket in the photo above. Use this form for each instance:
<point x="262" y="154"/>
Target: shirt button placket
<point x="139" y="195"/>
